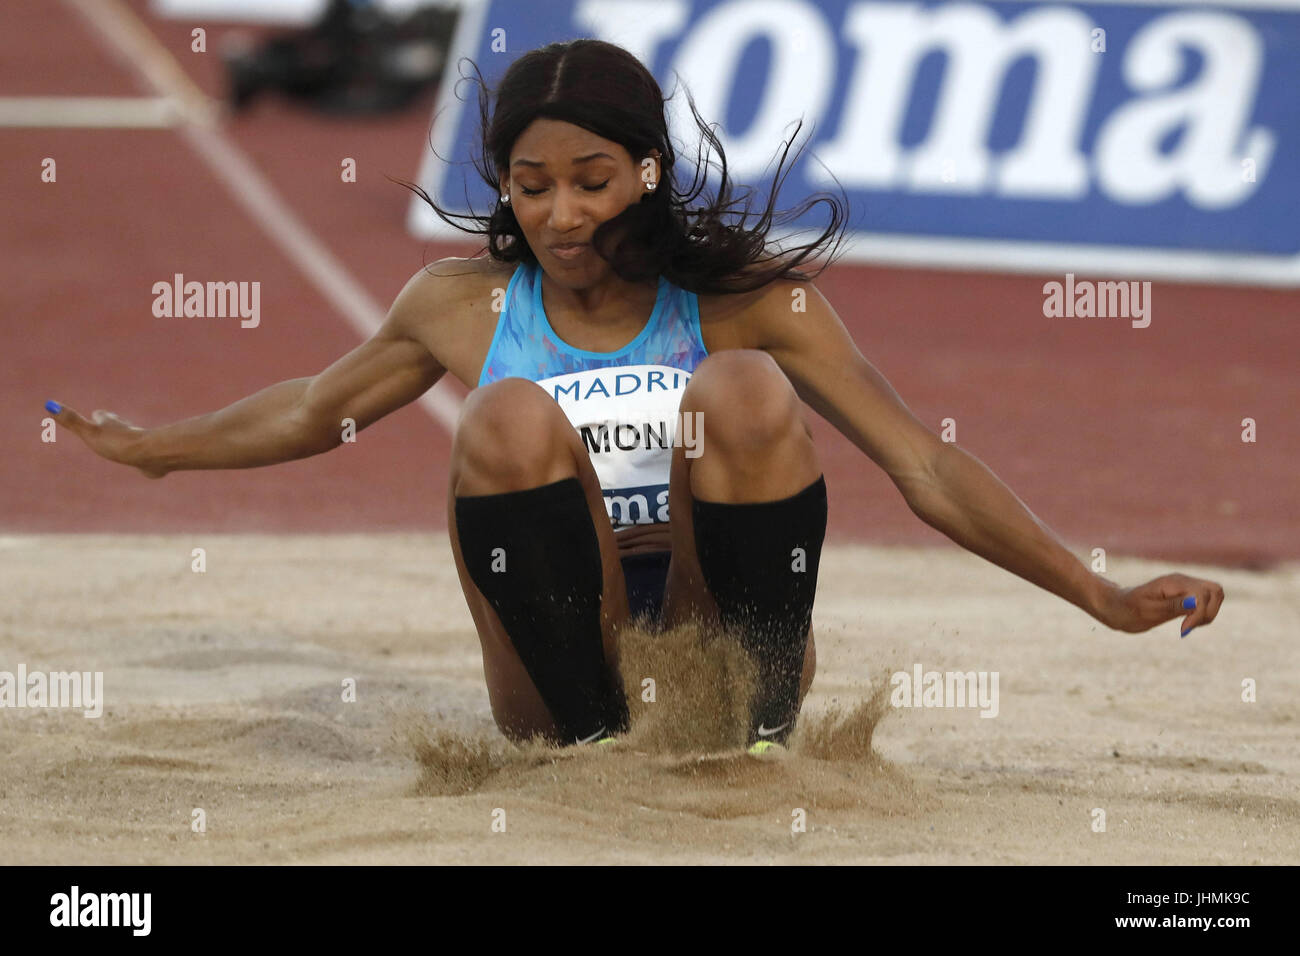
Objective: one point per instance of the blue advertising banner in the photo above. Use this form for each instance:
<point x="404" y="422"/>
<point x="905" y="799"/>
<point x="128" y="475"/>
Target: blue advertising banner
<point x="1153" y="139"/>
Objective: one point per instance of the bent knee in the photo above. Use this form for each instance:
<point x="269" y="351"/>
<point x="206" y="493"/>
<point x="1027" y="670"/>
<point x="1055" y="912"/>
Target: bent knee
<point x="510" y="428"/>
<point x="744" y="398"/>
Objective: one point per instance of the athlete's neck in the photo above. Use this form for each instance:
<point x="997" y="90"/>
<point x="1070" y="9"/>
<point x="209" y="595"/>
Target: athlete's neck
<point x="612" y="302"/>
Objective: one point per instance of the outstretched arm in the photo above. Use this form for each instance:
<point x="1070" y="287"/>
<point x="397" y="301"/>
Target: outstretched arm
<point x="947" y="487"/>
<point x="292" y="419"/>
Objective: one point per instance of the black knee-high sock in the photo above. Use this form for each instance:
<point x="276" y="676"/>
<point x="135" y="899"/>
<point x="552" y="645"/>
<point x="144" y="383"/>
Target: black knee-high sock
<point x="535" y="556"/>
<point x="760" y="564"/>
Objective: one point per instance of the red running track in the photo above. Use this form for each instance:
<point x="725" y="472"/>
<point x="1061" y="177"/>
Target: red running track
<point x="1123" y="438"/>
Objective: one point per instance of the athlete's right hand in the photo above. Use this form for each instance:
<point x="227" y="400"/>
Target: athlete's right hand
<point x="108" y="436"/>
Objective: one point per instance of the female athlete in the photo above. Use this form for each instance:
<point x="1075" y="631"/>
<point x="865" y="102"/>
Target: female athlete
<point x="671" y="367"/>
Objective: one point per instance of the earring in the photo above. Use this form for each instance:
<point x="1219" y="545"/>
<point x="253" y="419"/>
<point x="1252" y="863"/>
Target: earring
<point x="650" y="187"/>
<point x="506" y="198"/>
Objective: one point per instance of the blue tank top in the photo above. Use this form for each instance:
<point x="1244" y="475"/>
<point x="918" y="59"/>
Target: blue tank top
<point x="623" y="404"/>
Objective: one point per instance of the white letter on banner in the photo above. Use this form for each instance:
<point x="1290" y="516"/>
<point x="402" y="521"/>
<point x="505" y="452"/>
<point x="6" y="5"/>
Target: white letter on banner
<point x="979" y="50"/>
<point x="638" y="26"/>
<point x="1213" y="112"/>
<point x="798" y="82"/>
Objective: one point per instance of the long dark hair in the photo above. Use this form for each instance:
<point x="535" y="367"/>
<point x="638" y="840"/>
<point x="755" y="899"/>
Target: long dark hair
<point x="719" y="245"/>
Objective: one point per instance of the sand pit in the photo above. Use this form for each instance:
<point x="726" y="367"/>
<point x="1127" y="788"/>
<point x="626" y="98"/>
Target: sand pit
<point x="224" y="691"/>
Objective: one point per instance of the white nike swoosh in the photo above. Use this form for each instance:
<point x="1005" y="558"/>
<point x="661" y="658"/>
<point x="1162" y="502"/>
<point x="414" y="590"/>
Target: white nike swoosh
<point x="764" y="732"/>
<point x="587" y="740"/>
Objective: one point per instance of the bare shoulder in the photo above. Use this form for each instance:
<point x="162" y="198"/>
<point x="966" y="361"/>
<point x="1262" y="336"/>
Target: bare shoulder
<point x="448" y="306"/>
<point x="450" y="288"/>
<point x="745" y="319"/>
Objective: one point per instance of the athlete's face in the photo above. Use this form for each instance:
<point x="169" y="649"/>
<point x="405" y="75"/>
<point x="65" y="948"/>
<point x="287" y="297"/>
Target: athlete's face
<point x="563" y="182"/>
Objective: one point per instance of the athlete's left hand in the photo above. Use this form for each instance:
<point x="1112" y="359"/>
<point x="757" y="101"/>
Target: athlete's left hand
<point x="1143" y="607"/>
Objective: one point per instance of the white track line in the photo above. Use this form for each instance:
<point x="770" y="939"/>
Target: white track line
<point x="137" y="47"/>
<point x="89" y="112"/>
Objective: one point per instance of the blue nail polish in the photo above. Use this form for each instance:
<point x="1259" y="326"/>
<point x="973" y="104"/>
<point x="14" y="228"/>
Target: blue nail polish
<point x="53" y="407"/>
<point x="1186" y="632"/>
<point x="1189" y="603"/>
